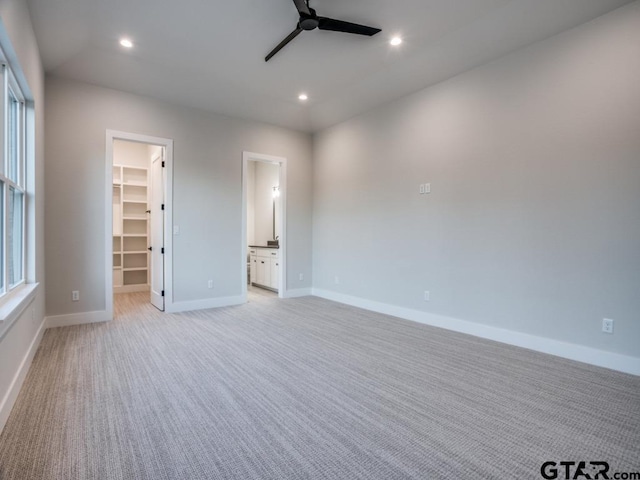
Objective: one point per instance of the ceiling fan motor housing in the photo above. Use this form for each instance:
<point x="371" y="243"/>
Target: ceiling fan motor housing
<point x="309" y="22"/>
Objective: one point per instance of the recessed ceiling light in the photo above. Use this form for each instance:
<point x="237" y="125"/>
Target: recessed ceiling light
<point x="395" y="41"/>
<point x="126" y="43"/>
<point x="303" y="97"/>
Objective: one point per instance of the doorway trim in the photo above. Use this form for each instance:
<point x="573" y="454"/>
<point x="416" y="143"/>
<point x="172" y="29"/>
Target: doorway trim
<point x="282" y="163"/>
<point x="111" y="136"/>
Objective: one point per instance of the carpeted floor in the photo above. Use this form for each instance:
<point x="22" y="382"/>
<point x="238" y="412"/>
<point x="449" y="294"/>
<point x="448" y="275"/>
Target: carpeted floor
<point x="305" y="389"/>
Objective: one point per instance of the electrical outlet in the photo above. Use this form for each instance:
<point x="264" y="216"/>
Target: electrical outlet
<point x="176" y="230"/>
<point x="607" y="325"/>
<point x="427" y="296"/>
<point x="427" y="188"/>
<point x="422" y="189"/>
<point x="336" y="280"/>
<point x="210" y="284"/>
<point x="75" y="296"/>
<point x="301" y="277"/>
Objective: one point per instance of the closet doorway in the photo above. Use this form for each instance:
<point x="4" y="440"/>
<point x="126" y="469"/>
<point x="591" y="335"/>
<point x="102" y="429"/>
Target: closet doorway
<point x="264" y="239"/>
<point x="138" y="219"/>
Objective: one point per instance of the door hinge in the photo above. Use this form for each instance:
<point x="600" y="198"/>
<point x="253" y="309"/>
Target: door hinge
<point x="162" y="294"/>
<point x="163" y="206"/>
<point x="162" y="250"/>
<point x="162" y="163"/>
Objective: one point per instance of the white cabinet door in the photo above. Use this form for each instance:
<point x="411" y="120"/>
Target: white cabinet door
<point x="264" y="272"/>
<point x="275" y="273"/>
<point x="253" y="269"/>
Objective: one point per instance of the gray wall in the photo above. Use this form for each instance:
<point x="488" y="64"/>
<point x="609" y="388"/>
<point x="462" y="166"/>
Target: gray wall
<point x="533" y="223"/>
<point x="207" y="192"/>
<point x="15" y="342"/>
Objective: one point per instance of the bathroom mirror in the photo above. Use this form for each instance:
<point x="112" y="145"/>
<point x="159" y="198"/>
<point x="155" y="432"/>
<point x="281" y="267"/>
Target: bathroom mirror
<point x="263" y="204"/>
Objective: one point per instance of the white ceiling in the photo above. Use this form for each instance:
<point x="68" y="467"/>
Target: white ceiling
<point x="210" y="54"/>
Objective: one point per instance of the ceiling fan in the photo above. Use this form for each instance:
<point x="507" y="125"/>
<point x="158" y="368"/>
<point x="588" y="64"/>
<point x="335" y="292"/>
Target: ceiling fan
<point x="309" y="20"/>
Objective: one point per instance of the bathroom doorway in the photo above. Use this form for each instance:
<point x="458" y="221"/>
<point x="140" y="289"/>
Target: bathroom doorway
<point x="264" y="226"/>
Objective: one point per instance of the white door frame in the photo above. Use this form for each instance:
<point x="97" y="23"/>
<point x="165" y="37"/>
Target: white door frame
<point x="167" y="143"/>
<point x="282" y="163"/>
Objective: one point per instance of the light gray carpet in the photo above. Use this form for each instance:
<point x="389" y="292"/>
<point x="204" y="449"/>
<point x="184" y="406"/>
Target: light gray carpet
<point x="305" y="389"/>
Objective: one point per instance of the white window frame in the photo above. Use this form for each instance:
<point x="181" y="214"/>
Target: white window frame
<point x="9" y="84"/>
<point x="16" y="298"/>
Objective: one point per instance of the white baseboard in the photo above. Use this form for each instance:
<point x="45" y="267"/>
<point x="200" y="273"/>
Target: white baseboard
<point x="77" y="319"/>
<point x="205" y="303"/>
<point x="592" y="356"/>
<point x="16" y="384"/>
<point x="298" y="292"/>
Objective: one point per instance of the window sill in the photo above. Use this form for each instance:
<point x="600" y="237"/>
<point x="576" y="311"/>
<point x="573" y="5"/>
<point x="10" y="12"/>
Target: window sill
<point x="14" y="303"/>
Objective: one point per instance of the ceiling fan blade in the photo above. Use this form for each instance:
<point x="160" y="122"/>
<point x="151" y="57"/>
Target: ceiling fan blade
<point x="280" y="46"/>
<point x="347" y="27"/>
<point x="302" y="7"/>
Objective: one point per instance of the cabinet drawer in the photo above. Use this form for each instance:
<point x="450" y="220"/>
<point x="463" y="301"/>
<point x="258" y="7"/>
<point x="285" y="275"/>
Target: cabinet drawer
<point x="268" y="253"/>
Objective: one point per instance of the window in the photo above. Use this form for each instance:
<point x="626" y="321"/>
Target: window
<point x="12" y="187"/>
